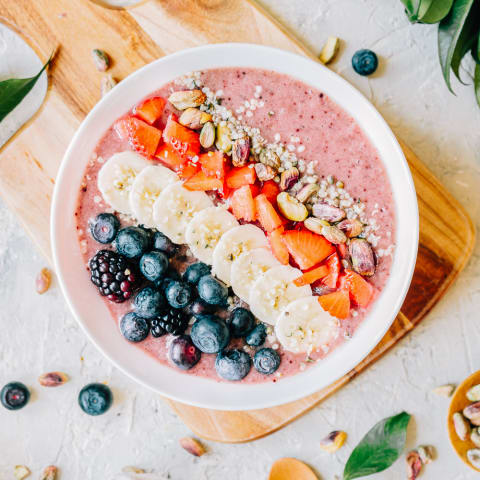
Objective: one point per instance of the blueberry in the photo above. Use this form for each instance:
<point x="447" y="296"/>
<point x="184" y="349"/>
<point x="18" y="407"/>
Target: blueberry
<point x="153" y="265"/>
<point x="266" y="361"/>
<point x="14" y="395"/>
<point x="164" y="244"/>
<point x="148" y="302"/>
<point x="233" y="364"/>
<point x="212" y="290"/>
<point x="132" y="241"/>
<point x="365" y="62"/>
<point x="95" y="398"/>
<point x="210" y="334"/>
<point x="104" y="227"/>
<point x="240" y="321"/>
<point x="178" y="294"/>
<point x="183" y="353"/>
<point x="195" y="272"/>
<point x="133" y="327"/>
<point x="257" y="336"/>
<point x="199" y="307"/>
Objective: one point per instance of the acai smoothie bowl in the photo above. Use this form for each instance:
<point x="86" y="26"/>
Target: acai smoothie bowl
<point x="234" y="226"/>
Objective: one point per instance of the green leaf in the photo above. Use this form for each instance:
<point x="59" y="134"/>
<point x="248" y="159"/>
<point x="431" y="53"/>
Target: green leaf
<point x="476" y="50"/>
<point x="14" y="90"/>
<point x="476" y="83"/>
<point x="379" y="448"/>
<point x="410" y="9"/>
<point x="432" y="11"/>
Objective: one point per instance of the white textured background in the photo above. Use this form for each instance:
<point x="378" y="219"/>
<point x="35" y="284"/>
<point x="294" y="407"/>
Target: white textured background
<point x="38" y="334"/>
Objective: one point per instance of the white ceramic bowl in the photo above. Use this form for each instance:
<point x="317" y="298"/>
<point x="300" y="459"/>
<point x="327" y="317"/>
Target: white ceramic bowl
<point x="89" y="308"/>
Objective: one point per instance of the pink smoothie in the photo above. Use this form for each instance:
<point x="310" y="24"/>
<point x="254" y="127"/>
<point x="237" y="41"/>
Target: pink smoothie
<point x="312" y="125"/>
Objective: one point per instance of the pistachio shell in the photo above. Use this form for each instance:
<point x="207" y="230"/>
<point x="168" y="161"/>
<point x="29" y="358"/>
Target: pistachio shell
<point x="307" y="191"/>
<point x="414" y="465"/>
<point x="329" y="50"/>
<point x="100" y="59"/>
<point x="264" y="172"/>
<point x="43" y="280"/>
<point x="224" y="141"/>
<point x="327" y="212"/>
<point x="462" y="427"/>
<point x="191" y="118"/>
<point x="241" y="151"/>
<point x="473" y="394"/>
<point x="50" y="473"/>
<point x="472" y="412"/>
<point x="361" y="254"/>
<point x="20" y="472"/>
<point x="184" y="99"/>
<point x="333" y="234"/>
<point x="130" y="469"/>
<point x="52" y="379"/>
<point x="333" y="441"/>
<point x="291" y="208"/>
<point x="426" y="453"/>
<point x="107" y="84"/>
<point x="444" y="390"/>
<point x="193" y="446"/>
<point x="289" y="178"/>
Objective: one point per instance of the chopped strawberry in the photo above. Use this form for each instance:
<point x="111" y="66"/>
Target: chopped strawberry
<point x="185" y="141"/>
<point x="311" y="276"/>
<point x="266" y="214"/>
<point x="187" y="170"/>
<point x="279" y="249"/>
<point x="360" y="290"/>
<point x="142" y="137"/>
<point x="213" y="164"/>
<point x="168" y="156"/>
<point x="333" y="264"/>
<point x="255" y="189"/>
<point x="240" y="176"/>
<point x="307" y="248"/>
<point x="242" y="203"/>
<point x="342" y="250"/>
<point x="271" y="189"/>
<point x="150" y="110"/>
<point x="201" y="182"/>
<point x="336" y="304"/>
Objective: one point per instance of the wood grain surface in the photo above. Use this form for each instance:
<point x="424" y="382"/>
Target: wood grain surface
<point x="29" y="161"/>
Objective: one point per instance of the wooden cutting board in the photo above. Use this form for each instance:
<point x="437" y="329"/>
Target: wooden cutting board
<point x="134" y="37"/>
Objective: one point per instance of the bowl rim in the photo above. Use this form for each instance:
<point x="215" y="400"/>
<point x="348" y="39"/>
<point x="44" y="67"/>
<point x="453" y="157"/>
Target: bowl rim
<point x="255" y="401"/>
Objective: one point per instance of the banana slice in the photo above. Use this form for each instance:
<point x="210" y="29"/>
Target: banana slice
<point x="248" y="267"/>
<point x="232" y="244"/>
<point x="146" y="188"/>
<point x="175" y="207"/>
<point x="273" y="291"/>
<point x="205" y="229"/>
<point x="304" y="326"/>
<point x="116" y="177"/>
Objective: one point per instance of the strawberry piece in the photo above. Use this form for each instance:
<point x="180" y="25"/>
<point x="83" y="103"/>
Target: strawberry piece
<point x="311" y="276"/>
<point x="360" y="290"/>
<point x="266" y="214"/>
<point x="150" y="110"/>
<point x="187" y="170"/>
<point x="185" y="141"/>
<point x="270" y="189"/>
<point x="342" y="250"/>
<point x="239" y="176"/>
<point x="142" y="137"/>
<point x="201" y="182"/>
<point x="279" y="249"/>
<point x="242" y="203"/>
<point x="213" y="164"/>
<point x="336" y="304"/>
<point x="168" y="156"/>
<point x="307" y="248"/>
<point x="333" y="264"/>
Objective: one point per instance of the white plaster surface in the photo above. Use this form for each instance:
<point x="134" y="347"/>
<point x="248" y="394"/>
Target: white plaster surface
<point x="38" y="334"/>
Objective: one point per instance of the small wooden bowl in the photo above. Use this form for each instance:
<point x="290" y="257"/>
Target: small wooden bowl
<point x="457" y="404"/>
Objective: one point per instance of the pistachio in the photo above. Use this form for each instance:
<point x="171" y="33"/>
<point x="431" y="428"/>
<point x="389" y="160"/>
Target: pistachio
<point x="184" y="99"/>
<point x="329" y="50"/>
<point x="333" y="234"/>
<point x="50" y="473"/>
<point x="52" y="379"/>
<point x="291" y="208"/>
<point x="191" y="118"/>
<point x="328" y="212"/>
<point x="472" y="412"/>
<point x="129" y="469"/>
<point x="426" y="453"/>
<point x="462" y="427"/>
<point x="444" y="390"/>
<point x="473" y="393"/>
<point x="267" y="157"/>
<point x="352" y="228"/>
<point x="361" y="253"/>
<point x="100" y="59"/>
<point x="333" y="441"/>
<point x="315" y="225"/>
<point x="193" y="446"/>
<point x="307" y="191"/>
<point x="241" y="151"/>
<point x="224" y="141"/>
<point x="43" y="281"/>
<point x="289" y="178"/>
<point x="207" y="135"/>
<point x="475" y="436"/>
<point x="264" y="172"/>
<point x="20" y="472"/>
<point x="107" y="83"/>
<point x="473" y="456"/>
<point x="414" y="465"/>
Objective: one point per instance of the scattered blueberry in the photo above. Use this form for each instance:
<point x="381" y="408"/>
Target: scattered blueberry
<point x="148" y="302"/>
<point x="240" y="321"/>
<point x="266" y="361"/>
<point x="132" y="241"/>
<point x="95" y="398"/>
<point x="212" y="290"/>
<point x="195" y="272"/>
<point x="14" y="395"/>
<point x="199" y="307"/>
<point x="133" y="327"/>
<point x="210" y="334"/>
<point x="104" y="227"/>
<point x="364" y="62"/>
<point x="183" y="353"/>
<point x="178" y="294"/>
<point x="164" y="244"/>
<point x="257" y="336"/>
<point x="171" y="320"/>
<point x="233" y="364"/>
<point x="153" y="265"/>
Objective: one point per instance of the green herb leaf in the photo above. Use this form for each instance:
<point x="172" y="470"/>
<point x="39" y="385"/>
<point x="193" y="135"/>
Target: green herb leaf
<point x="14" y="90"/>
<point x="476" y="83"/>
<point x="379" y="448"/>
<point x="476" y="49"/>
<point x="410" y="10"/>
<point x="432" y="11"/>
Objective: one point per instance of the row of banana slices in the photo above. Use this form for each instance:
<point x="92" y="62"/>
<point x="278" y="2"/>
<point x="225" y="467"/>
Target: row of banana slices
<point x="239" y="254"/>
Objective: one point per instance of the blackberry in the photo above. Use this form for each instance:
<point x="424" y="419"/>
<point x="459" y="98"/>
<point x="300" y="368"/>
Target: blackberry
<point x="172" y="321"/>
<point x="111" y="273"/>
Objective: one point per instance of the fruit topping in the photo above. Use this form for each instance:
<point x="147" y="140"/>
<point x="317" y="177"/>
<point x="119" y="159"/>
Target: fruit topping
<point x="178" y="294"/>
<point x="184" y="99"/>
<point x="183" y="140"/>
<point x="336" y="303"/>
<point x="327" y="212"/>
<point x="333" y="265"/>
<point x="233" y="365"/>
<point x="239" y="176"/>
<point x="210" y="334"/>
<point x="195" y="272"/>
<point x="142" y="137"/>
<point x="201" y="182"/>
<point x="224" y="140"/>
<point x="257" y="336"/>
<point x="95" y="398"/>
<point x="266" y="361"/>
<point x="241" y="151"/>
<point x="243" y="205"/>
<point x="104" y="227"/>
<point x="194" y="118"/>
<point x="240" y="321"/>
<point x="148" y="303"/>
<point x="364" y="62"/>
<point x="133" y="327"/>
<point x="183" y="353"/>
<point x="307" y="248"/>
<point x="362" y="257"/>
<point x="207" y="135"/>
<point x="199" y="307"/>
<point x="360" y="290"/>
<point x="279" y="249"/>
<point x="213" y="164"/>
<point x="162" y="243"/>
<point x="153" y="265"/>
<point x="291" y="208"/>
<point x="311" y="276"/>
<point x="14" y="395"/>
<point x="171" y="320"/>
<point x="333" y="234"/>
<point x="266" y="214"/>
<point x="170" y="157"/>
<point x="212" y="291"/>
<point x="351" y="227"/>
<point x="150" y="110"/>
<point x="289" y="178"/>
<point x="132" y="242"/>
